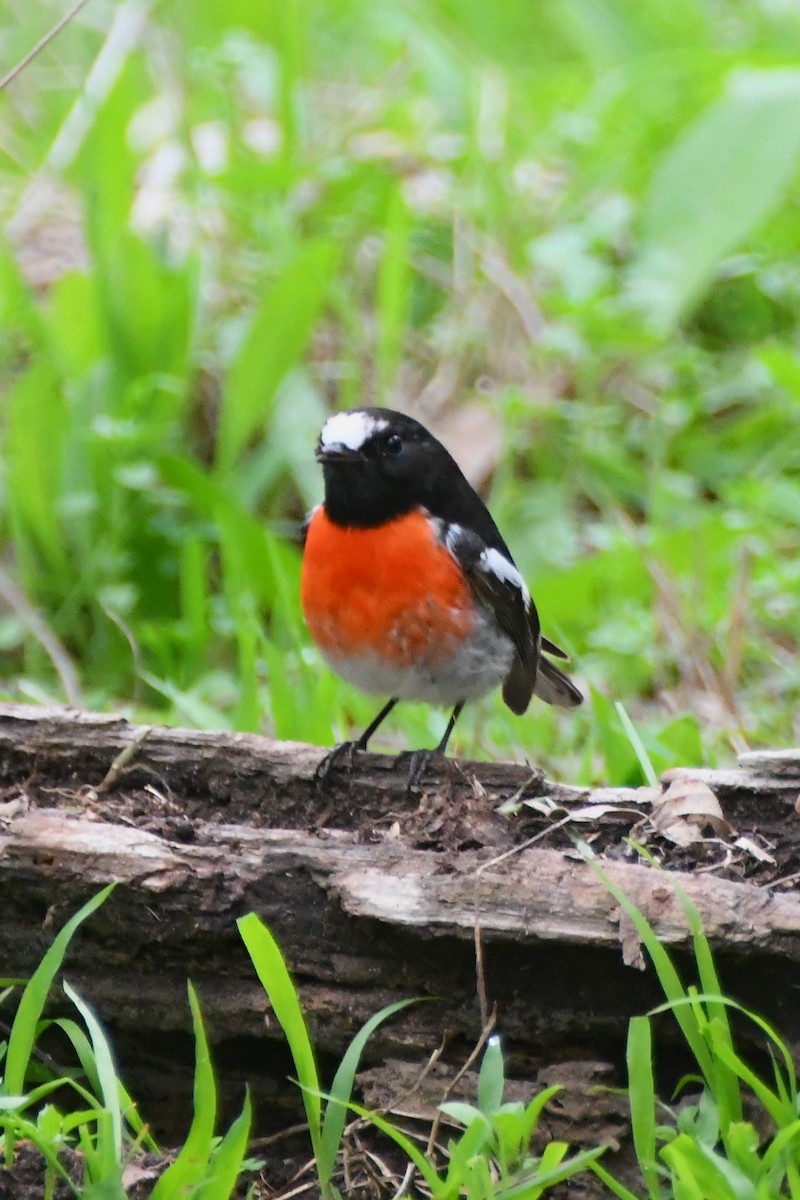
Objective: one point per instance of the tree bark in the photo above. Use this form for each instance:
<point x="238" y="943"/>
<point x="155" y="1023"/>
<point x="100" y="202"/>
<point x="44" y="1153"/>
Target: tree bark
<point x="374" y="895"/>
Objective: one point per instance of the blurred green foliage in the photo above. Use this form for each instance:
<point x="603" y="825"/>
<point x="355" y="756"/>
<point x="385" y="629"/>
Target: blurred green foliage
<point x="222" y="220"/>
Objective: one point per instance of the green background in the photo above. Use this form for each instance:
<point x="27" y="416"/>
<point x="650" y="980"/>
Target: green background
<point x="564" y="233"/>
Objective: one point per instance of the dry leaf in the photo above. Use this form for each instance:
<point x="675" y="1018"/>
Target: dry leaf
<point x="591" y="812"/>
<point x="753" y="848"/>
<point x="685" y="810"/>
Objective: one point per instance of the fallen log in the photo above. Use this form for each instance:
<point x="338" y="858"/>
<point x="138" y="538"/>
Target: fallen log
<point x="373" y="894"/>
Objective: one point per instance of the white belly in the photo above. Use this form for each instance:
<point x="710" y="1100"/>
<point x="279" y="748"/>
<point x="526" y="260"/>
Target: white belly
<point x="476" y="666"/>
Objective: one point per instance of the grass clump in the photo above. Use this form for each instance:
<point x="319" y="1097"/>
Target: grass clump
<point x="737" y="1137"/>
<point x="491" y="1158"/>
<point x="715" y="1145"/>
<point x="104" y="1132"/>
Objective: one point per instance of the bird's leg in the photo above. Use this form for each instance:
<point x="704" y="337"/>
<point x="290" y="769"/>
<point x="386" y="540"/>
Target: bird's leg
<point x="361" y="743"/>
<point x="456" y="713"/>
<point x="347" y="750"/>
<point x="420" y="759"/>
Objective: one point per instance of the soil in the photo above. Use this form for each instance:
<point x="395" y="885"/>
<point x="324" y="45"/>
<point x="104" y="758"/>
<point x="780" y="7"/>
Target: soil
<point x="430" y="822"/>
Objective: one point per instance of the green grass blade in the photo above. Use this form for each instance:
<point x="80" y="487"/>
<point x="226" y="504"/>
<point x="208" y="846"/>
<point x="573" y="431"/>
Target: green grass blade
<point x="614" y="1186"/>
<point x="667" y="975"/>
<point x="34" y="997"/>
<point x="726" y="1089"/>
<point x="779" y="1144"/>
<point x="342" y="1089"/>
<point x="106" y="1073"/>
<point x="83" y="1049"/>
<point x="709" y="1010"/>
<point x="548" y="1177"/>
<point x="226" y="1163"/>
<point x="271" y="969"/>
<point x="641" y="1093"/>
<point x="637" y="745"/>
<point x="784" y="1100"/>
<point x="491" y="1077"/>
<point x="772" y="1103"/>
<point x="534" y="1109"/>
<point x="192" y="1163"/>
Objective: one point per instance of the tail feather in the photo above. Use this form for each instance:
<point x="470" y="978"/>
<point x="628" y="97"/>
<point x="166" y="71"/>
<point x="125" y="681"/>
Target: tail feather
<point x="554" y="687"/>
<point x="553" y="649"/>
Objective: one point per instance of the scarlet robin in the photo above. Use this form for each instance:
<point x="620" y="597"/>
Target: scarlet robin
<point x="408" y="588"/>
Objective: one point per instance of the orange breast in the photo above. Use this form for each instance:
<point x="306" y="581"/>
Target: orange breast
<point x="393" y="590"/>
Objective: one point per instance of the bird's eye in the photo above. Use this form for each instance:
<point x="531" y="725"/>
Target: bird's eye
<point x="394" y="444"/>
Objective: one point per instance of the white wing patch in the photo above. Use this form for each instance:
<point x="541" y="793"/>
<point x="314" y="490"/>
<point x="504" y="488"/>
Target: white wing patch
<point x="489" y="561"/>
<point x="493" y="561"/>
<point x="350" y="429"/>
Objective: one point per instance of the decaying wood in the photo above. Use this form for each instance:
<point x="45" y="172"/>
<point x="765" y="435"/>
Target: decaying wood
<point x="374" y="894"/>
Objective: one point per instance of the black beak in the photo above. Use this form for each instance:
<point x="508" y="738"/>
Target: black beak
<point x="336" y="453"/>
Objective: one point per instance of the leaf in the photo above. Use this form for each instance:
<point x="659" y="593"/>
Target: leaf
<point x="228" y="1158"/>
<point x="461" y="1112"/>
<point x="641" y="1093"/>
<point x="191" y="1164"/>
<point x="106" y="1074"/>
<point x="276" y="341"/>
<point x="86" y="1055"/>
<point x="271" y="969"/>
<point x="719" y="181"/>
<point x="342" y="1089"/>
<point x="23" y="1030"/>
<point x="685" y="809"/>
<point x="35" y="425"/>
<point x="752" y="848"/>
<point x="491" y="1078"/>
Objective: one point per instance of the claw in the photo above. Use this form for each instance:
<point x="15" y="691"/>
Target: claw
<point x="418" y="763"/>
<point x="344" y="751"/>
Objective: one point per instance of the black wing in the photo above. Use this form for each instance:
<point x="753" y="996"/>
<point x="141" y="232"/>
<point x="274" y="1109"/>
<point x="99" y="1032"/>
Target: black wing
<point x="498" y="585"/>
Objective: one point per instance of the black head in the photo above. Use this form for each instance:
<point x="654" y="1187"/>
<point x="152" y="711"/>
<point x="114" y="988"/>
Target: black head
<point x="379" y="464"/>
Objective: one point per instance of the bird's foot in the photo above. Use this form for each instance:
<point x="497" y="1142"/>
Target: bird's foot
<point x="343" y="755"/>
<point x="418" y="763"/>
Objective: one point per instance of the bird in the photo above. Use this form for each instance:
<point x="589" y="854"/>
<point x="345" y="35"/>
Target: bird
<point x="407" y="586"/>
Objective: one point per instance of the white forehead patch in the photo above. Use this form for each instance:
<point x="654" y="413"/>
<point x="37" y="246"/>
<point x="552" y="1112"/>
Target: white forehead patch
<point x="350" y="429"/>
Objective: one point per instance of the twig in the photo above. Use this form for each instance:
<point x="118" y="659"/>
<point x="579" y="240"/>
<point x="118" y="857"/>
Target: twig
<point x="405" y="1182"/>
<point x="136" y="653"/>
<point x="309" y="1167"/>
<point x="433" y="1058"/>
<point x="537" y="837"/>
<point x="483" y="998"/>
<point x="40" y="45"/>
<point x="270" y="1138"/>
<point x="122" y="761"/>
<point x="298" y="1191"/>
<point x="773" y="883"/>
<point x="486" y="1033"/>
